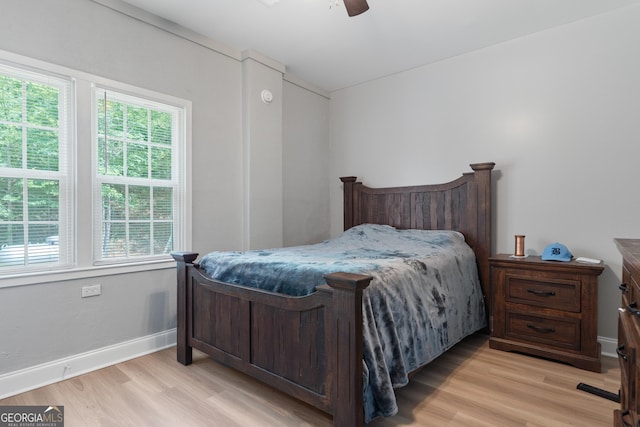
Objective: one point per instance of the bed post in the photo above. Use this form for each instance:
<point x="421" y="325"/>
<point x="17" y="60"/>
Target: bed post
<point x="482" y="176"/>
<point x="349" y="182"/>
<point x="184" y="350"/>
<point x="347" y="341"/>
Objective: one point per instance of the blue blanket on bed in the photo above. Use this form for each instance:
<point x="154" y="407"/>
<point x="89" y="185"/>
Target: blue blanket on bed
<point x="425" y="295"/>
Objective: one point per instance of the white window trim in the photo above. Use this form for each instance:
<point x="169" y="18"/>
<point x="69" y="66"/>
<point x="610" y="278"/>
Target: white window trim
<point x="177" y="160"/>
<point x="83" y="206"/>
<point x="65" y="174"/>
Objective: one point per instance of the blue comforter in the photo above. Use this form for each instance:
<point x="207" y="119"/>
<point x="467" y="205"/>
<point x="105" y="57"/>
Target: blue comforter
<point x="425" y="295"/>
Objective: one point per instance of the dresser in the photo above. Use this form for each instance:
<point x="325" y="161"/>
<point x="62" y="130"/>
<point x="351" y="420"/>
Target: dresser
<point x="629" y="334"/>
<point x="546" y="308"/>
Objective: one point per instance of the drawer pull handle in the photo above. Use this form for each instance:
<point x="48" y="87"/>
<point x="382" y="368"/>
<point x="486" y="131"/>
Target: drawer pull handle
<point x="541" y="293"/>
<point x="632" y="308"/>
<point x="539" y="329"/>
<point x="623" y="287"/>
<point x="620" y="353"/>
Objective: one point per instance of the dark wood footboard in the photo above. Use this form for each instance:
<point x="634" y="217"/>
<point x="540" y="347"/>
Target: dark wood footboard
<point x="308" y="347"/>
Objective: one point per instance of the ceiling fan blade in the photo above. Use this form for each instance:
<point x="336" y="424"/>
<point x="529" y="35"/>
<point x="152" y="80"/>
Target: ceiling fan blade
<point x="356" y="7"/>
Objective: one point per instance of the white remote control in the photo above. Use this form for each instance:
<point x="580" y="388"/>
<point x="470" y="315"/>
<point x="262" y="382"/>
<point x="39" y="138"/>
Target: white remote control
<point x="586" y="260"/>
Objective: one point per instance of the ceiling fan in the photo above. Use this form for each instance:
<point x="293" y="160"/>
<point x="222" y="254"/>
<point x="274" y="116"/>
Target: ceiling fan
<point x="355" y="7"/>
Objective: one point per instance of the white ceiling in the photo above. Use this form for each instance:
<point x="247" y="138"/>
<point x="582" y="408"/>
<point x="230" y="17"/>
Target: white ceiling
<point x="323" y="46"/>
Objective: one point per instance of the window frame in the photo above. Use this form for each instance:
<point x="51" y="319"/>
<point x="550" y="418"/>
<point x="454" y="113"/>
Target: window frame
<point x="81" y="163"/>
<point x="148" y="99"/>
<point x="64" y="175"/>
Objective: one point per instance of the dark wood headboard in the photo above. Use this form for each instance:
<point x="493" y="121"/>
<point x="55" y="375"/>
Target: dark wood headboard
<point x="462" y="205"/>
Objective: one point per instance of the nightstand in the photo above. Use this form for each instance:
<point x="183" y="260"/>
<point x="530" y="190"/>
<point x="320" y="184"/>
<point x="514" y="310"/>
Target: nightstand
<point x="546" y="308"/>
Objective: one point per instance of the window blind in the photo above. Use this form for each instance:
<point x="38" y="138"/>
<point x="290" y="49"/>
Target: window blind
<point x="137" y="182"/>
<point x="36" y="180"/>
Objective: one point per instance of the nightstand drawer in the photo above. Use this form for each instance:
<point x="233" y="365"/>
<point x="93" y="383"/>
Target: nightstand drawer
<point x="555" y="294"/>
<point x="555" y="331"/>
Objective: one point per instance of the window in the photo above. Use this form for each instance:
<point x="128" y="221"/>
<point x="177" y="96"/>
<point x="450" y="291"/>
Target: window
<point x="93" y="173"/>
<point x="35" y="175"/>
<point x="137" y="181"/>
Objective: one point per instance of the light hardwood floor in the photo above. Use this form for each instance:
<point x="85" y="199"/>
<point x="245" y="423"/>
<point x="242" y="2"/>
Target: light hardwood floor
<point x="471" y="385"/>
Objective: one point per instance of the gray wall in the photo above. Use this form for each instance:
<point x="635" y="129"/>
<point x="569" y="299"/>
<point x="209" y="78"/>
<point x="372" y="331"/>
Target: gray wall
<point x="305" y="166"/>
<point x="46" y="320"/>
<point x="557" y="111"/>
<point x="49" y="321"/>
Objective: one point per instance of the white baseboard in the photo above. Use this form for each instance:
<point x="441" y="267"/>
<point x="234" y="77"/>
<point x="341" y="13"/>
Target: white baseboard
<point x="608" y="346"/>
<point x="48" y="373"/>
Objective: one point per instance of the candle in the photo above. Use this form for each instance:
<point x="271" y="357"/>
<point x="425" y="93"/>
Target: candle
<point x="519" y="245"/>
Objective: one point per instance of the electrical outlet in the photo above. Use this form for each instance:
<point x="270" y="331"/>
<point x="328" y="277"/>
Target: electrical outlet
<point x="91" y="291"/>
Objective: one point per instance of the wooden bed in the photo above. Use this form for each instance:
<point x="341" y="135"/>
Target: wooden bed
<point x="311" y="347"/>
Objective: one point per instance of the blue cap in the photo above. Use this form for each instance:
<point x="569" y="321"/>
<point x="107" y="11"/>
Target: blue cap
<point x="556" y="252"/>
